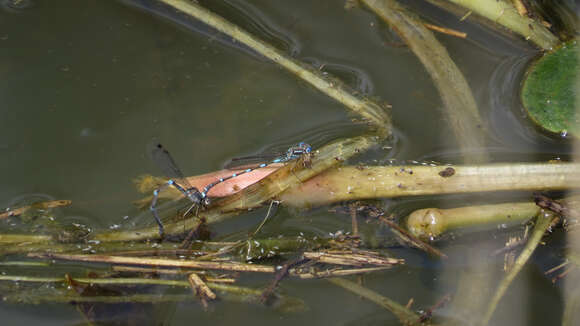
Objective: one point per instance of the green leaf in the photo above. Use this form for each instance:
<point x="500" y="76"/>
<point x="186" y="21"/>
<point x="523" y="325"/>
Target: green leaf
<point x="549" y="91"/>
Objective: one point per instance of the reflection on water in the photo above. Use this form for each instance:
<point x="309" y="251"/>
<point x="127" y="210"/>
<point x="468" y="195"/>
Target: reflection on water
<point x="507" y="116"/>
<point x="15" y="6"/>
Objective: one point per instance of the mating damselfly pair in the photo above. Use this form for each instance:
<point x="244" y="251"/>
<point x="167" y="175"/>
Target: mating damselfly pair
<point x="200" y="199"/>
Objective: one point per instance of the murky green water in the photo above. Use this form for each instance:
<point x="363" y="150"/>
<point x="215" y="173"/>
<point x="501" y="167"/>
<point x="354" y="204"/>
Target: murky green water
<point x="85" y="85"/>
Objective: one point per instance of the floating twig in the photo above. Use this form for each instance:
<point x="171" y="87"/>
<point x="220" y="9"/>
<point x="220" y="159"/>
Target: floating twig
<point x="405" y="316"/>
<point x="553" y="269"/>
<point x="201" y="289"/>
<point x="266" y="217"/>
<point x="445" y="30"/>
<point x="40" y="205"/>
<point x="156" y="262"/>
<point x="409" y="238"/>
<point x="352" y="258"/>
<point x="280" y="275"/>
<point x="328" y="273"/>
<point x="511" y="245"/>
<point x="563" y="274"/>
<point x="235" y="293"/>
<point x="429" y="312"/>
<point x="555" y="206"/>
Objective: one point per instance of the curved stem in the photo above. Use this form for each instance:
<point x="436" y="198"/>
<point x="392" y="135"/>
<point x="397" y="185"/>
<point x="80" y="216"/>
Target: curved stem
<point x="369" y="109"/>
<point x="459" y="105"/>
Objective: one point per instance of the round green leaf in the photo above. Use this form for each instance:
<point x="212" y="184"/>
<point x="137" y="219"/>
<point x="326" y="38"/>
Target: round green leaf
<point x="549" y="91"/>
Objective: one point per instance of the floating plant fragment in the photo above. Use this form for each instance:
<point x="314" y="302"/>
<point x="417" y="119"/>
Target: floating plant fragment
<point x="549" y="91"/>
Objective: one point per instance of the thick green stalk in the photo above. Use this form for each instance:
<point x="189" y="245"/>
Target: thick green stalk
<point x="352" y="183"/>
<point x="430" y="223"/>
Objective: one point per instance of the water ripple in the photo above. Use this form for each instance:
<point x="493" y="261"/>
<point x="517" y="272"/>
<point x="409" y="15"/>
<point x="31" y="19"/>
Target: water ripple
<point x="508" y="119"/>
<point x="15" y="6"/>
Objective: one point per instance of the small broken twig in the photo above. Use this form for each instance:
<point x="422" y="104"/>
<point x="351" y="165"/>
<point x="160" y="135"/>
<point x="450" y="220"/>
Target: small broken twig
<point x="280" y="275"/>
<point x="445" y="30"/>
<point x="429" y="313"/>
<point x="201" y="289"/>
<point x="407" y="237"/>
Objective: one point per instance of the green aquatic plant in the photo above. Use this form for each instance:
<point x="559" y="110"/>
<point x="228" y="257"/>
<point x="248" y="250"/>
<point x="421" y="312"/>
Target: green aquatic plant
<point x="549" y="90"/>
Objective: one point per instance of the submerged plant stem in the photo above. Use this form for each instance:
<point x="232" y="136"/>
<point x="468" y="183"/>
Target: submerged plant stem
<point x="543" y="222"/>
<point x="367" y="108"/>
<point x="231" y="289"/>
<point x="459" y="105"/>
<point x="158" y="262"/>
<point x="411" y="239"/>
<point x="405" y="315"/>
<point x="430" y="223"/>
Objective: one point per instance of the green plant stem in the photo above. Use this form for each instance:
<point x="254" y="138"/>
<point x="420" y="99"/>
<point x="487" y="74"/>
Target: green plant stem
<point x="405" y="315"/>
<point x="252" y="248"/>
<point x="25" y="263"/>
<point x="71" y="298"/>
<point x="16" y="247"/>
<point x="459" y="105"/>
<point x="430" y="223"/>
<point x="158" y="262"/>
<point x="376" y="113"/>
<point x="352" y="183"/>
<point x="543" y="222"/>
<point x="24" y="238"/>
<point x="505" y="14"/>
<point x="235" y="293"/>
<point x="132" y="281"/>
